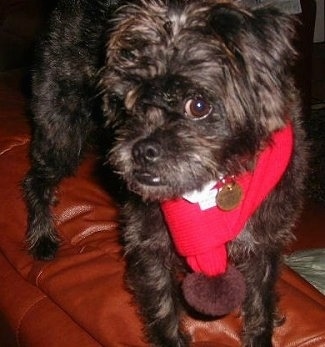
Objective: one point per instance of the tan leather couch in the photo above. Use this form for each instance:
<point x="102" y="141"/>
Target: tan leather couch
<point x="79" y="299"/>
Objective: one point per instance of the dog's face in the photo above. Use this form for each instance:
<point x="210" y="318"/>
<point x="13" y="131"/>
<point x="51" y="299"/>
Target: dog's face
<point x="193" y="89"/>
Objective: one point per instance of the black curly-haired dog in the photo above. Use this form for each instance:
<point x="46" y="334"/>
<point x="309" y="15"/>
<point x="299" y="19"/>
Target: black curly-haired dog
<point x="194" y="92"/>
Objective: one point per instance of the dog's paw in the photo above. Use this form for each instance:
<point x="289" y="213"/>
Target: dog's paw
<point x="179" y="343"/>
<point x="45" y="248"/>
<point x="259" y="341"/>
<point x="162" y="339"/>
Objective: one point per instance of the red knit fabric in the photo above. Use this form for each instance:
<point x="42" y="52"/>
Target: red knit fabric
<point x="201" y="236"/>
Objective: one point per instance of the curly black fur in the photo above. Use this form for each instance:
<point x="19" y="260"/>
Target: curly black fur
<point x="148" y="60"/>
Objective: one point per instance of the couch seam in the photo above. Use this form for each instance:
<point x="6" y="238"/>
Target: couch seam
<point x="67" y="313"/>
<point x="28" y="308"/>
<point x="308" y="342"/>
<point x="14" y="145"/>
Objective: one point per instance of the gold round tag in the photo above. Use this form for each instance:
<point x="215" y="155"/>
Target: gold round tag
<point x="229" y="197"/>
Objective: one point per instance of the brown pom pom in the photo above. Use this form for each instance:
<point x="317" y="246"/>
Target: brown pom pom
<point x="215" y="296"/>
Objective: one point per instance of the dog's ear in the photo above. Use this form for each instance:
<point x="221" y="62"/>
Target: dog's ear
<point x="275" y="32"/>
<point x="266" y="27"/>
<point x="260" y="56"/>
<point x="226" y="21"/>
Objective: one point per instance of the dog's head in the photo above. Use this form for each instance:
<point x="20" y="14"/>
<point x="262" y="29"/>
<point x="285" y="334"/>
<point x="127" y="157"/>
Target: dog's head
<point x="193" y="90"/>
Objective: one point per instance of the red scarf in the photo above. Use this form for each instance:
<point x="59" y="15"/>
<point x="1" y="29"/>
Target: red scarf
<point x="201" y="236"/>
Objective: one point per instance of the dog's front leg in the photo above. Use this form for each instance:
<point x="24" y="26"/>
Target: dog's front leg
<point x="151" y="273"/>
<point x="60" y="132"/>
<point x="259" y="307"/>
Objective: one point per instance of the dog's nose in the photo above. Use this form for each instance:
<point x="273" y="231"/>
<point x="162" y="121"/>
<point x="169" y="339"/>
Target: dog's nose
<point x="146" y="151"/>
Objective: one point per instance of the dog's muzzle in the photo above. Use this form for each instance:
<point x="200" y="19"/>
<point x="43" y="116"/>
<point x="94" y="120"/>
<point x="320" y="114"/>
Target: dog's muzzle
<point x="146" y="153"/>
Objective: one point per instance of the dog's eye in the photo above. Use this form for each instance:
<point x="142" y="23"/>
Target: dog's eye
<point x="197" y="108"/>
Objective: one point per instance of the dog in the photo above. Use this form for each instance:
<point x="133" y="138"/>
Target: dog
<point x="193" y="92"/>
